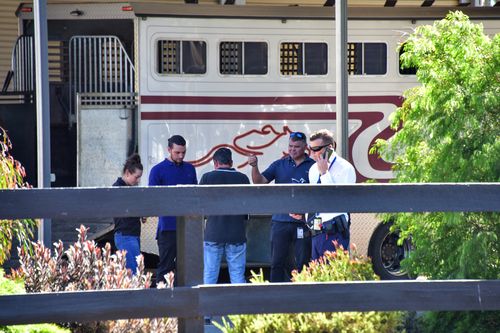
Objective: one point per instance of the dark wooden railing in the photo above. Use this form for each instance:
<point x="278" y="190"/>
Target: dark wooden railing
<point x="192" y="300"/>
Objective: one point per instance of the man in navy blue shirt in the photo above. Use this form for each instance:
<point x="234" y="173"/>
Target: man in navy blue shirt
<point x="287" y="232"/>
<point x="224" y="234"/>
<point x="172" y="171"/>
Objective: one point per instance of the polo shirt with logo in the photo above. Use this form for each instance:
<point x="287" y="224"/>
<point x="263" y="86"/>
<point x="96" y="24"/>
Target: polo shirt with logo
<point x="285" y="171"/>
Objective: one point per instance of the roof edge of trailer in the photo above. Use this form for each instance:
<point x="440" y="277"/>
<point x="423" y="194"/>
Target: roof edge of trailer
<point x="306" y="12"/>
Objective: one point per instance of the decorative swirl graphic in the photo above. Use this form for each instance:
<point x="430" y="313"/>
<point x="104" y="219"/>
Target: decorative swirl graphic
<point x="268" y="132"/>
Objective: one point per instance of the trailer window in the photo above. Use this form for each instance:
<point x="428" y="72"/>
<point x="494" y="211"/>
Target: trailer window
<point x="303" y="58"/>
<point x="182" y="57"/>
<point x="367" y="58"/>
<point x="237" y="58"/>
<point x="407" y="70"/>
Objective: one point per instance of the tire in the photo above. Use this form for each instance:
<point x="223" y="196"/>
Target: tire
<point x="386" y="254"/>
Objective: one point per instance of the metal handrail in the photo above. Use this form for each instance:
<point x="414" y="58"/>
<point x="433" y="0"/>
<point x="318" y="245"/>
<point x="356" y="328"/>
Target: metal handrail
<point x="23" y="64"/>
<point x="99" y="64"/>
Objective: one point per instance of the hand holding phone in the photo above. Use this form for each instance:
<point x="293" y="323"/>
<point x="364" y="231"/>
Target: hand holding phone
<point x="327" y="153"/>
<point x="322" y="162"/>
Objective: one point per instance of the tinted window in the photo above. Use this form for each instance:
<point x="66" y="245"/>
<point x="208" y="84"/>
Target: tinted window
<point x="182" y="57"/>
<point x="375" y="58"/>
<point x="367" y="58"/>
<point x="194" y="57"/>
<point x="243" y="58"/>
<point x="255" y="58"/>
<point x="316" y="58"/>
<point x="303" y="58"/>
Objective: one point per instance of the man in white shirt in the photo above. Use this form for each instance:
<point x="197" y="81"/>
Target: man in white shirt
<point x="329" y="169"/>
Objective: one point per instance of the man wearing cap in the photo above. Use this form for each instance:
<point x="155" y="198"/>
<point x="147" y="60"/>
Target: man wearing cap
<point x="224" y="234"/>
<point x="172" y="171"/>
<point x="287" y="232"/>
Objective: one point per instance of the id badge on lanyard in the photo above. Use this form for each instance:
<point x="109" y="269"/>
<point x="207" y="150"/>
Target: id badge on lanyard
<point x="300" y="233"/>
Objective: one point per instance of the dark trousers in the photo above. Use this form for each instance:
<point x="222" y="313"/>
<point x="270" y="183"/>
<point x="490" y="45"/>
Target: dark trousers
<point x="167" y="247"/>
<point x="287" y="251"/>
<point x="324" y="242"/>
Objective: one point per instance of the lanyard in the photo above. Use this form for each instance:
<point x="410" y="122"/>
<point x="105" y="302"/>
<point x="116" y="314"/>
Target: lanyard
<point x="319" y="181"/>
<point x="331" y="164"/>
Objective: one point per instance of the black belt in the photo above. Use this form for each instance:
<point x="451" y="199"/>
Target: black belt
<point x="307" y="232"/>
<point x="339" y="224"/>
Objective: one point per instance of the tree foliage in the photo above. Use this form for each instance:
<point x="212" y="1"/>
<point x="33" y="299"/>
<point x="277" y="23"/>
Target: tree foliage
<point x="450" y="132"/>
<point x="11" y="177"/>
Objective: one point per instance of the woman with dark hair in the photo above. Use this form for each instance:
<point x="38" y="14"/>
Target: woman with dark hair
<point x="128" y="229"/>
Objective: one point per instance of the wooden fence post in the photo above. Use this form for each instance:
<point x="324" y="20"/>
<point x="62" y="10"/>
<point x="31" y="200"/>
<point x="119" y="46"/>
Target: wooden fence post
<point x="190" y="263"/>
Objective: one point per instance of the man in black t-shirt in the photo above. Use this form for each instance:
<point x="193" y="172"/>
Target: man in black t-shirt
<point x="224" y="233"/>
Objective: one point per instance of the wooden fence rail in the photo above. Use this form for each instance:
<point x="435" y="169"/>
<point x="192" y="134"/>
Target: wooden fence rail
<point x="243" y="199"/>
<point x="192" y="300"/>
<point x="251" y="298"/>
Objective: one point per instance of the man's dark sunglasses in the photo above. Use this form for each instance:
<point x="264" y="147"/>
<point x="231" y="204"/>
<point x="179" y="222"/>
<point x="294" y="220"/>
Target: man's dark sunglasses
<point x="297" y="135"/>
<point x="318" y="148"/>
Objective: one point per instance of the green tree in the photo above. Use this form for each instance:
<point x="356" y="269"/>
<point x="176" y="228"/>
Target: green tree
<point x="11" y="177"/>
<point x="450" y="132"/>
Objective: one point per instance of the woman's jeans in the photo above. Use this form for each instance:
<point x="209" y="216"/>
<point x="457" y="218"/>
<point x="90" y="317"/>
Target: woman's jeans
<point x="235" y="257"/>
<point x="131" y="244"/>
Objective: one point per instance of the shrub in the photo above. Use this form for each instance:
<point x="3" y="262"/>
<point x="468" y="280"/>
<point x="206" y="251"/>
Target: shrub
<point x="333" y="266"/>
<point x="11" y="177"/>
<point x="85" y="266"/>
<point x="10" y="287"/>
<point x="450" y="133"/>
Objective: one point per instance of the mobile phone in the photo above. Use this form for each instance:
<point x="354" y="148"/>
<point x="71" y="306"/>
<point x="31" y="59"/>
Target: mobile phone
<point x="327" y="153"/>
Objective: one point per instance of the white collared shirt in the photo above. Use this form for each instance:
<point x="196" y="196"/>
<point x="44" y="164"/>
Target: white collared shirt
<point x="340" y="172"/>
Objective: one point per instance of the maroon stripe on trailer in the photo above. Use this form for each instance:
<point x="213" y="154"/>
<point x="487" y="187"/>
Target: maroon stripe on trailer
<point x="220" y="115"/>
<point x="226" y="115"/>
<point x="258" y="100"/>
<point x="236" y="100"/>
